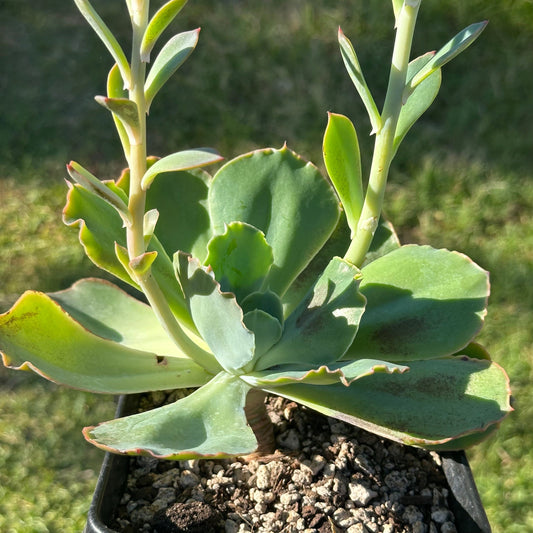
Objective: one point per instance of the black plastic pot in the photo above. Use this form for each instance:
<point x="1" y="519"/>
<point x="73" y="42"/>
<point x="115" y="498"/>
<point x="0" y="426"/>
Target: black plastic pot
<point x="465" y="503"/>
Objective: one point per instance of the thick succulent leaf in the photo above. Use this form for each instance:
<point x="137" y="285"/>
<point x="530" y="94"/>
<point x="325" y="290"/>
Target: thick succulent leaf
<point x="343" y="163"/>
<point x="162" y="18"/>
<point x="180" y="199"/>
<point x="169" y="59"/>
<point x="450" y="50"/>
<point x="431" y="405"/>
<point x="283" y="196"/>
<point x="351" y="63"/>
<point x="184" y="160"/>
<point x="324" y="324"/>
<point x="217" y="316"/>
<point x="266" y="301"/>
<point x="421" y="303"/>
<point x="92" y="183"/>
<point x="107" y="37"/>
<point x="240" y="258"/>
<point x="210" y="423"/>
<point x="100" y="227"/>
<point x="385" y="240"/>
<point x="419" y="100"/>
<point x="266" y="329"/>
<point x="79" y="348"/>
<point x="340" y="372"/>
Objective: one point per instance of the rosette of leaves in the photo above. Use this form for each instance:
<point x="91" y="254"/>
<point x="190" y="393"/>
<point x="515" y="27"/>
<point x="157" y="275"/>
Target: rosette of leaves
<point x="246" y="260"/>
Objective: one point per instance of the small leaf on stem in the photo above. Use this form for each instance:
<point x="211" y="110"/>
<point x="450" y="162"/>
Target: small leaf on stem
<point x="150" y="220"/>
<point x="142" y="264"/>
<point x="126" y="110"/>
<point x="419" y="100"/>
<point x="356" y="74"/>
<point x="99" y="26"/>
<point x="343" y="163"/>
<point x="450" y="50"/>
<point x="115" y="89"/>
<point x="184" y="160"/>
<point x="169" y="59"/>
<point x="92" y="183"/>
<point x="163" y="17"/>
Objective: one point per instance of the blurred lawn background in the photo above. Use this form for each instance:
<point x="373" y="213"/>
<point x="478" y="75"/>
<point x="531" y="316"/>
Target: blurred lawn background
<point x="265" y="72"/>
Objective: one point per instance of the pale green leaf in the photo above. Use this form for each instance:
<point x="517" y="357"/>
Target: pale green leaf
<point x="419" y="100"/>
<point x="115" y="89"/>
<point x="179" y="161"/>
<point x="100" y="28"/>
<point x="93" y="184"/>
<point x="356" y="75"/>
<point x="240" y="258"/>
<point x="217" y="316"/>
<point x="340" y="372"/>
<point x="157" y="25"/>
<point x="127" y="111"/>
<point x="325" y="322"/>
<point x="283" y="196"/>
<point x="102" y="341"/>
<point x="431" y="406"/>
<point x="100" y="227"/>
<point x="450" y="50"/>
<point x="343" y="163"/>
<point x="169" y="59"/>
<point x="421" y="303"/>
<point x="267" y="330"/>
<point x="181" y="201"/>
<point x="209" y="423"/>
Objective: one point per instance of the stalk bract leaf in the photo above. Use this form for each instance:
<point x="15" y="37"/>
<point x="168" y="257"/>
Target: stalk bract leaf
<point x="163" y="17"/>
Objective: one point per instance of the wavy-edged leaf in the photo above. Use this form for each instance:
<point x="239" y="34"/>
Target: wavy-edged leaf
<point x="217" y="316"/>
<point x="343" y="163"/>
<point x="100" y="28"/>
<point x="115" y="89"/>
<point x="419" y="100"/>
<point x="88" y="181"/>
<point x="439" y="403"/>
<point x="209" y="423"/>
<point x="325" y="322"/>
<point x="284" y="197"/>
<point x="421" y="303"/>
<point x="157" y="25"/>
<point x="100" y="227"/>
<point x="94" y="337"/>
<point x="353" y="67"/>
<point x="240" y="258"/>
<point x="340" y="372"/>
<point x="169" y="59"/>
<point x="185" y="160"/>
<point x="450" y="50"/>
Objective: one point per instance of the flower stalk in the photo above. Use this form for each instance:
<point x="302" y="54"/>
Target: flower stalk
<point x="383" y="148"/>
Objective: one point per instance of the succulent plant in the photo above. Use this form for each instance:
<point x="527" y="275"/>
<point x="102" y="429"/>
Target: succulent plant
<point x="265" y="278"/>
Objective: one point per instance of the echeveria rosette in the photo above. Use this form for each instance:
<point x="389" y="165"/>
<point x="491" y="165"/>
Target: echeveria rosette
<point x="386" y="347"/>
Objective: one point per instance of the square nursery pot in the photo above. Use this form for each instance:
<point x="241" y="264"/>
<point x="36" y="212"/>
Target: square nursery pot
<point x="417" y="512"/>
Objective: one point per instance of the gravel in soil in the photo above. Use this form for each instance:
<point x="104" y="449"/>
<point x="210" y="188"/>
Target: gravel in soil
<point x="325" y="477"/>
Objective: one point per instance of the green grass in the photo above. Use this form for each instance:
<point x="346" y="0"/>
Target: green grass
<point x="265" y="72"/>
